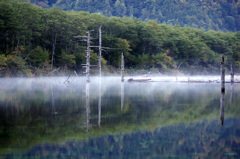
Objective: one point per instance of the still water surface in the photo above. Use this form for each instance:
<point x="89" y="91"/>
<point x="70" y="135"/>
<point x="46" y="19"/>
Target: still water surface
<point x="52" y="118"/>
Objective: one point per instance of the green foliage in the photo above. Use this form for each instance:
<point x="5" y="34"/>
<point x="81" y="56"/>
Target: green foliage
<point x="3" y="60"/>
<point x="16" y="65"/>
<point x="208" y="14"/>
<point x="38" y="57"/>
<point x="68" y="60"/>
<point x="47" y="37"/>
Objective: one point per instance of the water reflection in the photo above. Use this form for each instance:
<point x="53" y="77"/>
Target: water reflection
<point x="196" y="140"/>
<point x="232" y="92"/>
<point x="222" y="105"/>
<point x="53" y="101"/>
<point x="122" y="110"/>
<point x="87" y="106"/>
<point x="122" y="95"/>
<point x="99" y="101"/>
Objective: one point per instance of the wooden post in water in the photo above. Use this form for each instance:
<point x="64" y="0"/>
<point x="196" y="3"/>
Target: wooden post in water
<point x="222" y="100"/>
<point x="222" y="75"/>
<point x="232" y="74"/>
<point x="122" y="68"/>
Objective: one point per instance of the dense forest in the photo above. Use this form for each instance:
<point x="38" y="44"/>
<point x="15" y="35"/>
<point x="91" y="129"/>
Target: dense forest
<point x="217" y="15"/>
<point x="36" y="41"/>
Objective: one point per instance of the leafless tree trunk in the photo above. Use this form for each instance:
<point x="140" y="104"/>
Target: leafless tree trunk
<point x="100" y="52"/>
<point x="122" y="68"/>
<point x="54" y="41"/>
<point x="88" y="58"/>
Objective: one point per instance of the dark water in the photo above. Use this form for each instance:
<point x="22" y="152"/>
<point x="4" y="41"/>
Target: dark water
<point x="52" y="118"/>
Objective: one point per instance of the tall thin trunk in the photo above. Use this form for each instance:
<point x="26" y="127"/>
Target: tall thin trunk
<point x="100" y="52"/>
<point x="122" y="68"/>
<point x="88" y="58"/>
<point x="54" y="40"/>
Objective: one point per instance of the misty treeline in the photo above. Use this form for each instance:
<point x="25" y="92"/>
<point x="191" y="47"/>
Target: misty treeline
<point x="218" y="15"/>
<point x="35" y="41"/>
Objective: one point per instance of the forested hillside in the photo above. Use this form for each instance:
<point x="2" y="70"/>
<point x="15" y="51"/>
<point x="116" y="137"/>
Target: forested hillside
<point x="217" y="15"/>
<point x="35" y="41"/>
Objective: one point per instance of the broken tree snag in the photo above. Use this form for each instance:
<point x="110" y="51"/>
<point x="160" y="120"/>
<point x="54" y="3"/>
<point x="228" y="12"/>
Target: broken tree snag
<point x="122" y="68"/>
<point x="67" y="81"/>
<point x="76" y="73"/>
<point x="232" y="74"/>
<point x="222" y="74"/>
<point x="53" y="71"/>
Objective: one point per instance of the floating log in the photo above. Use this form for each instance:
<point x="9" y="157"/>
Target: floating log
<point x="138" y="80"/>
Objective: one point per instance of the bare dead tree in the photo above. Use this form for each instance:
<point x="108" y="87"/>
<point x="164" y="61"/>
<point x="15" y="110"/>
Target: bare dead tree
<point x="122" y="68"/>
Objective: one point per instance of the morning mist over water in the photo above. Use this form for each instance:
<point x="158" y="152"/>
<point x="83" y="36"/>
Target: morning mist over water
<point x="106" y="118"/>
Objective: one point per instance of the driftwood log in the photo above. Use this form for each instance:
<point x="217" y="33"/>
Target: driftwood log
<point x="138" y="80"/>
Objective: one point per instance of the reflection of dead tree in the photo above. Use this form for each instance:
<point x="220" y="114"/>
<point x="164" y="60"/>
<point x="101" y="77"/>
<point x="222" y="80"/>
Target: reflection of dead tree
<point x="232" y="93"/>
<point x="222" y="104"/>
<point x="99" y="102"/>
<point x="53" y="101"/>
<point x="87" y="107"/>
<point x="122" y="95"/>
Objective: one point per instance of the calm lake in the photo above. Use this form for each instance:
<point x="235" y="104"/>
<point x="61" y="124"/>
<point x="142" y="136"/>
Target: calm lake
<point x="55" y="118"/>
